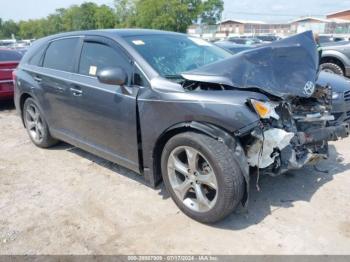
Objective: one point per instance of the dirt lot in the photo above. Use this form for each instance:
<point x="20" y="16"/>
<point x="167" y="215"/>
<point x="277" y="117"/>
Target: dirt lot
<point x="67" y="201"/>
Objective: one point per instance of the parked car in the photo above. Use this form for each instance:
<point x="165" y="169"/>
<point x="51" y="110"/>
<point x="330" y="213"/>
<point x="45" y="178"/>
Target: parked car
<point x="268" y="38"/>
<point x="233" y="47"/>
<point x="244" y="40"/>
<point x="340" y="96"/>
<point x="193" y="115"/>
<point x="336" y="58"/>
<point x="9" y="60"/>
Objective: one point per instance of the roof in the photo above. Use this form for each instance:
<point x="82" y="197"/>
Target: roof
<point x="338" y="12"/>
<point x="242" y="21"/>
<point x="300" y="19"/>
<point x="113" y="33"/>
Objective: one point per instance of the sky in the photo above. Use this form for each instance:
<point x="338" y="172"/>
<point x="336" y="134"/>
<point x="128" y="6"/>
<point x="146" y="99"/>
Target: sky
<point x="263" y="10"/>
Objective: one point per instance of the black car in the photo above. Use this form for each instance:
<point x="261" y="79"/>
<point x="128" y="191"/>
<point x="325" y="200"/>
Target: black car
<point x="244" y="40"/>
<point x="191" y="115"/>
<point x="233" y="47"/>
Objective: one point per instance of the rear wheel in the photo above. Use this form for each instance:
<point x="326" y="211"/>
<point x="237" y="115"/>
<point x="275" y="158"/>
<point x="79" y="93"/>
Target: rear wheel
<point x="202" y="176"/>
<point x="36" y="125"/>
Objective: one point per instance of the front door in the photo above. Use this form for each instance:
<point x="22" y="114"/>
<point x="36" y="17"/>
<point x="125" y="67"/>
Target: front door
<point x="104" y="118"/>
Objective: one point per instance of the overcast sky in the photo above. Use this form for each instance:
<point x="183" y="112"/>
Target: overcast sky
<point x="267" y="10"/>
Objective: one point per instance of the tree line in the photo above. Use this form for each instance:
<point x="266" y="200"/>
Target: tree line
<point x="171" y="15"/>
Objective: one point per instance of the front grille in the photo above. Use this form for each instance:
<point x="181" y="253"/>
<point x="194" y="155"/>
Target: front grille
<point x="347" y="118"/>
<point x="347" y="96"/>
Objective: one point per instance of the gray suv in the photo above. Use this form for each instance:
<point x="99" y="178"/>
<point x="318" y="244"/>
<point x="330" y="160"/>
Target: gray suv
<point x="179" y="109"/>
<point x="336" y="58"/>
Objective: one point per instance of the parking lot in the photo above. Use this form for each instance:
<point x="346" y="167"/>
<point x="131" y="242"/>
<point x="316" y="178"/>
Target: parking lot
<point x="67" y="201"/>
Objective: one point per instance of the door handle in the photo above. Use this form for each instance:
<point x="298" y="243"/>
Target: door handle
<point x="76" y="91"/>
<point x="38" y="79"/>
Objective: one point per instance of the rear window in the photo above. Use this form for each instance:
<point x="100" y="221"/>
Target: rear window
<point x="60" y="54"/>
<point x="7" y="55"/>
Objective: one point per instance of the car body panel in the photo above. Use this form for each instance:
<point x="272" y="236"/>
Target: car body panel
<point x="6" y="82"/>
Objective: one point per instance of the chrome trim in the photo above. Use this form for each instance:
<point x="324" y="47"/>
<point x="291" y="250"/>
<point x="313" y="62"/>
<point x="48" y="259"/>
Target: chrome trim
<point x="6" y="81"/>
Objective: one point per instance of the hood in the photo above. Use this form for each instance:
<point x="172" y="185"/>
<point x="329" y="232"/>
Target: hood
<point x="284" y="68"/>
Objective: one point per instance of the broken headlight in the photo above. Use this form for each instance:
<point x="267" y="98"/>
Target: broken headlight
<point x="264" y="109"/>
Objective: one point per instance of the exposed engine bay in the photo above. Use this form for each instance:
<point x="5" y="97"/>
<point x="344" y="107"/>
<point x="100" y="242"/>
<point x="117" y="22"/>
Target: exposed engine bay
<point x="294" y="134"/>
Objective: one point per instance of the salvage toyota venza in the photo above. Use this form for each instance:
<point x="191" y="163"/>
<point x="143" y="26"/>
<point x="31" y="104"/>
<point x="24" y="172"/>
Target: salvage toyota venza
<point x="179" y="109"/>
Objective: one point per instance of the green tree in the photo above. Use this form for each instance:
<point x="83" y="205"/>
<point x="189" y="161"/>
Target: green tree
<point x="9" y="28"/>
<point x="104" y="17"/>
<point x="125" y="13"/>
<point x="173" y="15"/>
<point x="212" y="11"/>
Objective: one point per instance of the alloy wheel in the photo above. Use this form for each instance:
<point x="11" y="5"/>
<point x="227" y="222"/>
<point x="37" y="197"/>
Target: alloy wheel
<point x="192" y="179"/>
<point x="34" y="123"/>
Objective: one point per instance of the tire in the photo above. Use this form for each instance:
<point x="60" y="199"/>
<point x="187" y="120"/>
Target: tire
<point x="36" y="125"/>
<point x="332" y="68"/>
<point x="214" y="159"/>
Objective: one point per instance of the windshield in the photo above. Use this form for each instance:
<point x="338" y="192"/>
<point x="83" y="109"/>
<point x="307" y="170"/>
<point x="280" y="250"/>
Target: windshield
<point x="170" y="55"/>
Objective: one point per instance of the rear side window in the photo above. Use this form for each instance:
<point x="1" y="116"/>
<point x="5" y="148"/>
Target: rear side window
<point x="60" y="55"/>
<point x="37" y="57"/>
<point x="7" y="55"/>
<point x="96" y="56"/>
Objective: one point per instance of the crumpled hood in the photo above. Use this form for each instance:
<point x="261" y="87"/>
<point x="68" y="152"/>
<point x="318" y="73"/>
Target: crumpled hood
<point x="284" y="68"/>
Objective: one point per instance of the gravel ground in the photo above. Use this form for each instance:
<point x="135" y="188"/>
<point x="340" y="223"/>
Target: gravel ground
<point x="67" y="201"/>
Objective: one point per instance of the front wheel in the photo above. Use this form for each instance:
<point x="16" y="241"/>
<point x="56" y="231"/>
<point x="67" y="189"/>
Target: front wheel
<point x="202" y="176"/>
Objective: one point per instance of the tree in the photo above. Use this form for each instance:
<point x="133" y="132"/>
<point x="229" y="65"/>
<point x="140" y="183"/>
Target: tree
<point x="125" y="13"/>
<point x="9" y="28"/>
<point x="105" y="17"/>
<point x="173" y="15"/>
<point x="211" y="11"/>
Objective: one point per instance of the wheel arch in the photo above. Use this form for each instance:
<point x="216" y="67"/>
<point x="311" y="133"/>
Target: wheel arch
<point x="208" y="129"/>
<point x="22" y="100"/>
<point x="333" y="59"/>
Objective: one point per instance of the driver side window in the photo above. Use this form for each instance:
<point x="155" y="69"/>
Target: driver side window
<point x="96" y="56"/>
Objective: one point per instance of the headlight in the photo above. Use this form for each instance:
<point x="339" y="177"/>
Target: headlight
<point x="336" y="95"/>
<point x="264" y="109"/>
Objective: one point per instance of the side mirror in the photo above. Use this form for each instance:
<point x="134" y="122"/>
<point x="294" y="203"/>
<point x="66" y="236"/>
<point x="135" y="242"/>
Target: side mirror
<point x="112" y="76"/>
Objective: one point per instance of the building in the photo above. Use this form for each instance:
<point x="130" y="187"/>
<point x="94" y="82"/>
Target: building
<point x="334" y="24"/>
<point x="317" y="25"/>
<point x="343" y="15"/>
<point x="248" y="27"/>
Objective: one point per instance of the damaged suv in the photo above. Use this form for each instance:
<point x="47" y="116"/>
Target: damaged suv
<point x="179" y="109"/>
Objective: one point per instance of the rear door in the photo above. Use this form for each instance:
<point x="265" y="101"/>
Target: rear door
<point x="103" y="117"/>
<point x="54" y="77"/>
